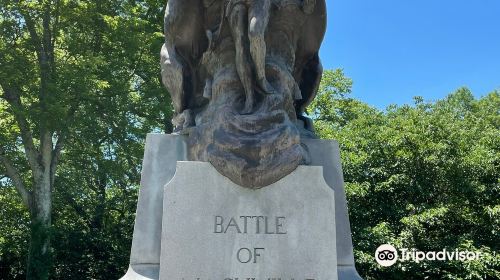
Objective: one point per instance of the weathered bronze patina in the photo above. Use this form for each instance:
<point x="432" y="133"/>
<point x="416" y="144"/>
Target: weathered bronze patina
<point x="240" y="73"/>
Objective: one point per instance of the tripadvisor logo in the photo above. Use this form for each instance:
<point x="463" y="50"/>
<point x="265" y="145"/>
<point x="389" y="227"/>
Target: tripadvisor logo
<point x="386" y="255"/>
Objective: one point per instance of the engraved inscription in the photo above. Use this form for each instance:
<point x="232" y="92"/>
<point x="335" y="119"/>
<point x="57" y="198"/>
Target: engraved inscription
<point x="250" y="225"/>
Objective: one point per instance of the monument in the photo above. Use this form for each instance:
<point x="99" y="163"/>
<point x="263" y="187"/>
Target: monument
<point x="242" y="189"/>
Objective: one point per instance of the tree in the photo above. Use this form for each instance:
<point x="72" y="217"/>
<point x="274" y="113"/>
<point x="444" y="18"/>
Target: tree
<point x="66" y="66"/>
<point x="424" y="176"/>
<point x="31" y="94"/>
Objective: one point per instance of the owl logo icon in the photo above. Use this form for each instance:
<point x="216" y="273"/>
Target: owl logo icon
<point x="386" y="255"/>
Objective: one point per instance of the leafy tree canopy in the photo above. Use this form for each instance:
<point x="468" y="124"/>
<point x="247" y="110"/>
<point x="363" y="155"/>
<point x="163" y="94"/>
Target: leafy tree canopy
<point x="424" y="176"/>
<point x="79" y="90"/>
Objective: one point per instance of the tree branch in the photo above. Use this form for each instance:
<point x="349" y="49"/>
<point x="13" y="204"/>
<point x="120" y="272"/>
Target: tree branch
<point x="30" y="24"/>
<point x="48" y="48"/>
<point x="46" y="146"/>
<point x="74" y="204"/>
<point x="14" y="176"/>
<point x="61" y="140"/>
<point x="46" y="78"/>
<point x="12" y="96"/>
<point x="55" y="29"/>
<point x="56" y="155"/>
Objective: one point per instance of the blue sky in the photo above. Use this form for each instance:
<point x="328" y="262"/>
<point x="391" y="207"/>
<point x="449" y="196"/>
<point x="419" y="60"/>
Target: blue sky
<point x="397" y="49"/>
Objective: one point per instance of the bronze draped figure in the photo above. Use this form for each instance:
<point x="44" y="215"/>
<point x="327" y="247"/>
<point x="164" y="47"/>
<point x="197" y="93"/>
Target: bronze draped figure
<point x="240" y="74"/>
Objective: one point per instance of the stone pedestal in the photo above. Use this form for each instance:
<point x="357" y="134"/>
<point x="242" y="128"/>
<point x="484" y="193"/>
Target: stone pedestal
<point x="162" y="153"/>
<point x="215" y="229"/>
<point x="160" y="159"/>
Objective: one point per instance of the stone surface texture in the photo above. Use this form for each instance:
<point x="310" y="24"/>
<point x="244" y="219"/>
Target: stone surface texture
<point x="160" y="159"/>
<point x="326" y="153"/>
<point x="288" y="232"/>
<point x="161" y="155"/>
<point x="240" y="74"/>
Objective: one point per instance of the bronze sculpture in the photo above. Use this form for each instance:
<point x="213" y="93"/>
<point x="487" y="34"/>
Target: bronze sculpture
<point x="241" y="74"/>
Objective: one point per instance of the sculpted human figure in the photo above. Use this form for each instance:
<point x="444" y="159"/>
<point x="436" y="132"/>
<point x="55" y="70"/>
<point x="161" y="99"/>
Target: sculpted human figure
<point x="248" y="19"/>
<point x="218" y="55"/>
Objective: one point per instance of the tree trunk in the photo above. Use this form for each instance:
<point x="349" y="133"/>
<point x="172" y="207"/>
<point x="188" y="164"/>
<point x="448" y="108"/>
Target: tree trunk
<point x="40" y="257"/>
<point x="40" y="254"/>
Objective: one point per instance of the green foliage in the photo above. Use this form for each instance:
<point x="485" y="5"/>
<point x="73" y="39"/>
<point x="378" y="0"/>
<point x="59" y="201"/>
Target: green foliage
<point x="105" y="96"/>
<point x="14" y="233"/>
<point x="424" y="176"/>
